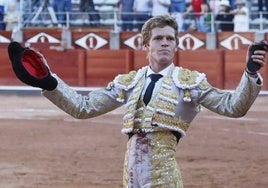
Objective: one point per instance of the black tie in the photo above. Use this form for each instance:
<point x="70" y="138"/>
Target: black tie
<point x="148" y="93"/>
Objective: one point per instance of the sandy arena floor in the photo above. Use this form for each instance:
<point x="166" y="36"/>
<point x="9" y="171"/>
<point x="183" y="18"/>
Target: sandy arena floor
<point x="42" y="147"/>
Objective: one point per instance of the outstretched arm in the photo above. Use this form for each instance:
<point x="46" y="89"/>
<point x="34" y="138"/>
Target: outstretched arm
<point x="237" y="103"/>
<point x="80" y="106"/>
<point x="32" y="69"/>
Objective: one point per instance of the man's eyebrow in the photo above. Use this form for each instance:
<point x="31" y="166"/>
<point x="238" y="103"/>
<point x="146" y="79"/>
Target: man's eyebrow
<point x="164" y="35"/>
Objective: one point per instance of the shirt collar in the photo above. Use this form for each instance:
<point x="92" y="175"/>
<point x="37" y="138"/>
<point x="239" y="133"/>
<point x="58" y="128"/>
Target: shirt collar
<point x="163" y="72"/>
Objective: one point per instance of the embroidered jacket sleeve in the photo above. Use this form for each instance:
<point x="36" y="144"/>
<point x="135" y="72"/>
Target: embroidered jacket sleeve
<point x="80" y="106"/>
<point x="230" y="103"/>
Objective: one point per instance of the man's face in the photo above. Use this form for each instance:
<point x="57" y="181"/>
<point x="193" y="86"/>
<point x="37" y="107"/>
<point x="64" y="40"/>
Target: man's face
<point x="161" y="48"/>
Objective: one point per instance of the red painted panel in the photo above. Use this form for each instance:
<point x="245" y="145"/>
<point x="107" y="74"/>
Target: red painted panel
<point x="235" y="63"/>
<point x="7" y="76"/>
<point x="103" y="65"/>
<point x="140" y="59"/>
<point x="69" y="65"/>
<point x="209" y="62"/>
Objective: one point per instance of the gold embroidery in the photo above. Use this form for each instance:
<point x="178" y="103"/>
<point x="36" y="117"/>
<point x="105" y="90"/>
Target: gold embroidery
<point x="165" y="108"/>
<point x="164" y="116"/>
<point x="187" y="77"/>
<point x="187" y="80"/>
<point x="121" y="96"/>
<point x="125" y="172"/>
<point x="169" y="94"/>
<point x="204" y="85"/>
<point x="165" y="172"/>
<point x="172" y="123"/>
<point x="127" y="78"/>
<point x="187" y="95"/>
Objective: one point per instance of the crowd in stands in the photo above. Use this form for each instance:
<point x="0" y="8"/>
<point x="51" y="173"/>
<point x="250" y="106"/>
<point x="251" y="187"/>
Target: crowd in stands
<point x="195" y="15"/>
<point x="192" y="15"/>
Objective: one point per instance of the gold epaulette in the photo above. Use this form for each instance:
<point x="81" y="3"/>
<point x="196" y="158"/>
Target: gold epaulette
<point x="125" y="82"/>
<point x="128" y="81"/>
<point x="186" y="79"/>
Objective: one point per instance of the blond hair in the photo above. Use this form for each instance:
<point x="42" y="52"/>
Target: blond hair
<point x="158" y="21"/>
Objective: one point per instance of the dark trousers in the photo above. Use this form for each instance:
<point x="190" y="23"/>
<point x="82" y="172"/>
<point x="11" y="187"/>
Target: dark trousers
<point x="141" y="17"/>
<point x="127" y="22"/>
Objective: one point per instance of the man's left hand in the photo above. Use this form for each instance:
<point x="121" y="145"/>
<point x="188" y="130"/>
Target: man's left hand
<point x="256" y="56"/>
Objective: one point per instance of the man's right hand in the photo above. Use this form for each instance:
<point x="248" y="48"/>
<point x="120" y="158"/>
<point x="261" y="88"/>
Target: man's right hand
<point x="31" y="67"/>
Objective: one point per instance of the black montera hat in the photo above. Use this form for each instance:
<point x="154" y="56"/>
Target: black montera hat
<point x="30" y="67"/>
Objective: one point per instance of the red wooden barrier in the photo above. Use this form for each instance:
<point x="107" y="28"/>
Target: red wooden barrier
<point x="7" y="36"/>
<point x="69" y="65"/>
<point x="103" y="65"/>
<point x="7" y="76"/>
<point x="235" y="63"/>
<point x="234" y="67"/>
<point x="139" y="59"/>
<point x="209" y="62"/>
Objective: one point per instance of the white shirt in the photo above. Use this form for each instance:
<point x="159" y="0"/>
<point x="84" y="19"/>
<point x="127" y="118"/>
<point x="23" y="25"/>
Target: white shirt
<point x="158" y="7"/>
<point x="163" y="72"/>
<point x="241" y="21"/>
<point x="142" y="5"/>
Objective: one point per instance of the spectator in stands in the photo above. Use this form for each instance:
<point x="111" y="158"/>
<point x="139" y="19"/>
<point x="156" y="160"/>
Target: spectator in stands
<point x="11" y="18"/>
<point x="126" y="12"/>
<point x="260" y="7"/>
<point x="89" y="7"/>
<point x="61" y="7"/>
<point x="142" y="10"/>
<point x="232" y="3"/>
<point x="206" y="21"/>
<point x="214" y="6"/>
<point x="241" y="17"/>
<point x="177" y="7"/>
<point x="3" y="11"/>
<point x="195" y="8"/>
<point x="160" y="7"/>
<point x="224" y="18"/>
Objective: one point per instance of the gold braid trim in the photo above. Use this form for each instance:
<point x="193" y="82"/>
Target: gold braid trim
<point x="124" y="80"/>
<point x="128" y="81"/>
<point x="171" y="123"/>
<point x="164" y="172"/>
<point x="204" y="85"/>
